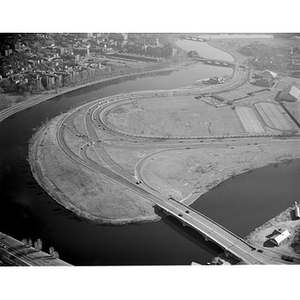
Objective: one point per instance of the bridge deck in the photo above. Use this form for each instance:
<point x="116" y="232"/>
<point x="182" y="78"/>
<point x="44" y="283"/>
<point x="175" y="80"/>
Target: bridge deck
<point x="215" y="232"/>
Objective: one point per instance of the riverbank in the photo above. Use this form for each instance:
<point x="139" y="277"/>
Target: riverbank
<point x="16" y="253"/>
<point x="98" y="199"/>
<point x="289" y="248"/>
<point x="189" y="174"/>
<point x="36" y="99"/>
<point x="200" y="171"/>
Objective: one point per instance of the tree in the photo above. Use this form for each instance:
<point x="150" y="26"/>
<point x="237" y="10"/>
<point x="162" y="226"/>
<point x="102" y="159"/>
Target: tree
<point x="5" y="84"/>
<point x="38" y="245"/>
<point x="53" y="253"/>
<point x="193" y="53"/>
<point x="23" y="88"/>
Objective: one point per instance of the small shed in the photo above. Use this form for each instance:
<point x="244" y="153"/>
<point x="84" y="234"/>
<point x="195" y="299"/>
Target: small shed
<point x="279" y="238"/>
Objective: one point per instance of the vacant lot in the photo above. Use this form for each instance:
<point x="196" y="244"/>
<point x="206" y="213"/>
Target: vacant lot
<point x="175" y="117"/>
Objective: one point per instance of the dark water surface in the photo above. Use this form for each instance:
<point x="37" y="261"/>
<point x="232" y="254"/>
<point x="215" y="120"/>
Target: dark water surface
<point x="27" y="211"/>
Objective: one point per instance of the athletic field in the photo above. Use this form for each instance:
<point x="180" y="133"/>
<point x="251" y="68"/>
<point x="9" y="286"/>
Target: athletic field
<point x="274" y="116"/>
<point x="249" y="120"/>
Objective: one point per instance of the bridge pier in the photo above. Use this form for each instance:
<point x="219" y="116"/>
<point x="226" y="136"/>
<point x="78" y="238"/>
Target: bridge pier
<point x="206" y="238"/>
<point x="184" y="224"/>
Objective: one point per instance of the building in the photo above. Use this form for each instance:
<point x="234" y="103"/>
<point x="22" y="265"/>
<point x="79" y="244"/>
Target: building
<point x="279" y="238"/>
<point x="118" y="37"/>
<point x="268" y="74"/>
<point x="290" y="94"/>
<point x="267" y="82"/>
<point x="152" y="41"/>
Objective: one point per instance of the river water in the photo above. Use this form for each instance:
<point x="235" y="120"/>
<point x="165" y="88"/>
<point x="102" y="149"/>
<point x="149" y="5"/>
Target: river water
<point x="241" y="204"/>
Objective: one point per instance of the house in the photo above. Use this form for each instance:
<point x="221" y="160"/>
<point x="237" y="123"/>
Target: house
<point x="267" y="74"/>
<point x="152" y="41"/>
<point x="118" y="37"/>
<point x="279" y="238"/>
<point x="290" y="94"/>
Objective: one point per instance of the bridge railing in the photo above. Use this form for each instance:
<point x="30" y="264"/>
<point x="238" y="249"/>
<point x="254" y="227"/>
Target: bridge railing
<point x="216" y="223"/>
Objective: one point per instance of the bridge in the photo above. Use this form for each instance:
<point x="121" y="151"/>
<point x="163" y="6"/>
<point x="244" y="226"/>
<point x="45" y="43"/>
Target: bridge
<point x="193" y="38"/>
<point x="95" y="117"/>
<point x="212" y="231"/>
<point x="216" y="62"/>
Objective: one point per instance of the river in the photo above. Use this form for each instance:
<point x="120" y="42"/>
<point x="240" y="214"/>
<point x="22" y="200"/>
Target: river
<point x="27" y="211"/>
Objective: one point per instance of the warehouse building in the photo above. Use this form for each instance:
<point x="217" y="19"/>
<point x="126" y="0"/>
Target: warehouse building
<point x="290" y="94"/>
<point x="279" y="238"/>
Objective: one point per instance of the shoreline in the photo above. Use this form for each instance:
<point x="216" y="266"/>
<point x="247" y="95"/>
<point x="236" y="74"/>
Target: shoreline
<point x="5" y="113"/>
<point x="65" y="90"/>
<point x="282" y="221"/>
<point x="32" y="101"/>
<point x="188" y="200"/>
<point x="59" y="196"/>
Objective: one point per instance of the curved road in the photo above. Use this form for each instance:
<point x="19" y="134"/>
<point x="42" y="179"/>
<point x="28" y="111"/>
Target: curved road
<point x="98" y="130"/>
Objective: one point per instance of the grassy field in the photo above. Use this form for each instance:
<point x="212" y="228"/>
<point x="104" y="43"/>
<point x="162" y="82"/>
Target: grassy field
<point x="182" y="172"/>
<point x="171" y="117"/>
<point x="81" y="190"/>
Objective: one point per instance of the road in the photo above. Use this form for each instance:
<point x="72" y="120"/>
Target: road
<point x="96" y="125"/>
<point x="15" y="253"/>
